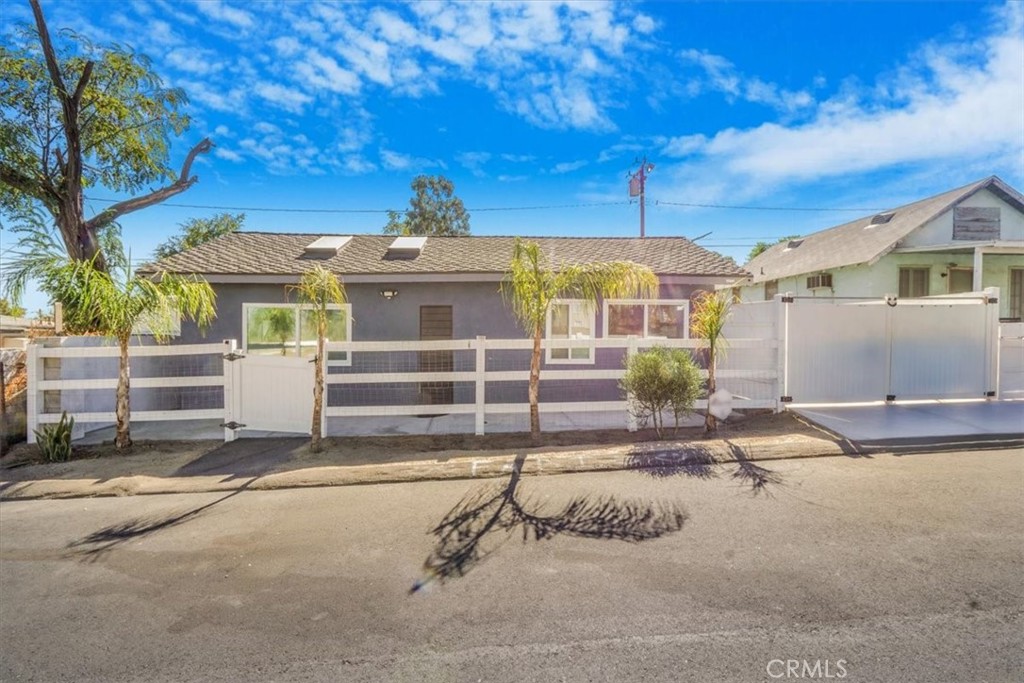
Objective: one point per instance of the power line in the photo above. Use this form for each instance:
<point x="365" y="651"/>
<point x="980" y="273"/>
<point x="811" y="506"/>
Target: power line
<point x="287" y="210"/>
<point x="765" y="208"/>
<point x="269" y="209"/>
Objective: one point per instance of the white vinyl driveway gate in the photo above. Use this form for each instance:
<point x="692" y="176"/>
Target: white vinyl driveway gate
<point x="837" y="351"/>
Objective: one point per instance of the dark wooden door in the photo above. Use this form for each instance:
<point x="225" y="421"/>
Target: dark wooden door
<point x="436" y="324"/>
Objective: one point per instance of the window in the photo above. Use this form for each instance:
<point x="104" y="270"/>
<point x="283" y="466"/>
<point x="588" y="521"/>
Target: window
<point x="290" y="330"/>
<point x="819" y="281"/>
<point x="1017" y="293"/>
<point x="665" y="319"/>
<point x="571" y="320"/>
<point x="914" y="282"/>
<point x="771" y="288"/>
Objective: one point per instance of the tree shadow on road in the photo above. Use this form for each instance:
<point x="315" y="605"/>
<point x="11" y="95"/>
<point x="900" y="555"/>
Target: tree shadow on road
<point x="699" y="462"/>
<point x="93" y="547"/>
<point x="469" y="532"/>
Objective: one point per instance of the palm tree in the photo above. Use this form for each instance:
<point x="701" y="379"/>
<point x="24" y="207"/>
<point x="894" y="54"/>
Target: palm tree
<point x="320" y="288"/>
<point x="531" y="284"/>
<point x="710" y="312"/>
<point x="115" y="302"/>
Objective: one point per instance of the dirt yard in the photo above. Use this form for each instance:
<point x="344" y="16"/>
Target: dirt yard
<point x="184" y="458"/>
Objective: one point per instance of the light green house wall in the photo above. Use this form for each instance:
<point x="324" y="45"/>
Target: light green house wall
<point x="882" y="277"/>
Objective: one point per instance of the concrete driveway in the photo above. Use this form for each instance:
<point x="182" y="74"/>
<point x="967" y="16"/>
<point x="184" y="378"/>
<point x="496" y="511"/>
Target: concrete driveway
<point x="925" y="422"/>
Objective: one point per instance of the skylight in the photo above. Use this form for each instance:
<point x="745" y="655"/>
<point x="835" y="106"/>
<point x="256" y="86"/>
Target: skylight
<point x="406" y="247"/>
<point x="882" y="218"/>
<point x="793" y="244"/>
<point x="328" y="245"/>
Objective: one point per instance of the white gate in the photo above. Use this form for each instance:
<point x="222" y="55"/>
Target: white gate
<point x="941" y="347"/>
<point x="274" y="393"/>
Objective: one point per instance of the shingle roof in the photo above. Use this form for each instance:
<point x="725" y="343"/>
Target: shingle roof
<point x="262" y="253"/>
<point x="854" y="242"/>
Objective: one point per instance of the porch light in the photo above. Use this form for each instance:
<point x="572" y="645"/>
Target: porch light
<point x="389" y="294"/>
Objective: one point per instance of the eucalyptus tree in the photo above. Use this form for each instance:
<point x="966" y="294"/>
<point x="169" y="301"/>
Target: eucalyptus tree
<point x="319" y="288"/>
<point x="531" y="284"/>
<point x="78" y="116"/>
<point x="433" y="210"/>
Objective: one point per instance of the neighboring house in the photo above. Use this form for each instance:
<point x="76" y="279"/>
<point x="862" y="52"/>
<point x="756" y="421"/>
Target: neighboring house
<point x="959" y="241"/>
<point x="15" y="331"/>
<point x="412" y="288"/>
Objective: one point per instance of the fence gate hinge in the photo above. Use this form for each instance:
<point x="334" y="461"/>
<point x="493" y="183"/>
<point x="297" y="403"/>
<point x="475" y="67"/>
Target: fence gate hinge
<point x="786" y="399"/>
<point x="787" y="299"/>
<point x="233" y="356"/>
<point x="232" y="425"/>
<point x="890" y="397"/>
<point x="992" y="300"/>
<point x="990" y="394"/>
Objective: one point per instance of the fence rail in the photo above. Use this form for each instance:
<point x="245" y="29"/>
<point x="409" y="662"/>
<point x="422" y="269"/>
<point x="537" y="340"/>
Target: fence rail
<point x="805" y="349"/>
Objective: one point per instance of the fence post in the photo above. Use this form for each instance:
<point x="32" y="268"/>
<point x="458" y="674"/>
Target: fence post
<point x="32" y="371"/>
<point x="782" y="336"/>
<point x="992" y="343"/>
<point x="481" y="383"/>
<point x="229" y="389"/>
<point x="889" y="332"/>
<point x="631" y="349"/>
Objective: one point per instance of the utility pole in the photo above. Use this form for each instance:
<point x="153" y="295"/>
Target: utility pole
<point x="637" y="184"/>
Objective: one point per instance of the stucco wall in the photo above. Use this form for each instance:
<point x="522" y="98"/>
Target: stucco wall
<point x="477" y="309"/>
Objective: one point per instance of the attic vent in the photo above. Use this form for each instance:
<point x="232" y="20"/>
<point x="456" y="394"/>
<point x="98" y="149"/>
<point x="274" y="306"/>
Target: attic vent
<point x="819" y="281"/>
<point x="328" y="245"/>
<point x="793" y="244"/>
<point x="882" y="218"/>
<point x="406" y="247"/>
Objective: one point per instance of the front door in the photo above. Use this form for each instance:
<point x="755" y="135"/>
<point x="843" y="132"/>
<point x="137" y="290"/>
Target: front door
<point x="961" y="280"/>
<point x="436" y="324"/>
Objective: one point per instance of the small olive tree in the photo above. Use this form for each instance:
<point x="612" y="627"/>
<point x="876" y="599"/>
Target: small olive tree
<point x="660" y="379"/>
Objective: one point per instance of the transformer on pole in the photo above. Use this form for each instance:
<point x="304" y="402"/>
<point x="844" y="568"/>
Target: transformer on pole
<point x="637" y="183"/>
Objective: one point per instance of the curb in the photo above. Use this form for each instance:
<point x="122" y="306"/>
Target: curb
<point x="644" y="456"/>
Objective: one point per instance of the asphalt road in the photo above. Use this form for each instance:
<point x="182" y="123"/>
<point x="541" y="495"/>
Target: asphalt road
<point x="873" y="569"/>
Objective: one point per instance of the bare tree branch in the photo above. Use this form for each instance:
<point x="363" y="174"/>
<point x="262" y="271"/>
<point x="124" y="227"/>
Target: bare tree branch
<point x="183" y="182"/>
<point x="48" y="53"/>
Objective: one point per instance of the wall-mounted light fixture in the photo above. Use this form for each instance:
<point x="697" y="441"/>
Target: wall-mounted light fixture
<point x="389" y="294"/>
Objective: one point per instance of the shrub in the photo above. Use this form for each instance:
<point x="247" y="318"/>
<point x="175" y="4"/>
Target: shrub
<point x="660" y="379"/>
<point x="54" y="440"/>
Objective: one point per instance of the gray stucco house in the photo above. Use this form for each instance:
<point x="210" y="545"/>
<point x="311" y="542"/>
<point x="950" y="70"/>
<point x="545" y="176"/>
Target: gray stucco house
<point x="413" y="288"/>
<point x="962" y="240"/>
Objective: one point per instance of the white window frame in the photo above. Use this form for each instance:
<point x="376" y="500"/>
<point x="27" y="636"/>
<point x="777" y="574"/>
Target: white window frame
<point x="587" y="307"/>
<point x="646" y="303"/>
<point x="347" y="308"/>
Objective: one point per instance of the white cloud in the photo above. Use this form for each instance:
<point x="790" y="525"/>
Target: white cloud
<point x="286" y="46"/>
<point x="567" y="167"/>
<point x="397" y="161"/>
<point x="956" y="100"/>
<point x="320" y="71"/>
<point x="227" y="154"/>
<point x="221" y="11"/>
<point x="474" y="161"/>
<point x="644" y="24"/>
<point x="282" y="96"/>
<point x="721" y="75"/>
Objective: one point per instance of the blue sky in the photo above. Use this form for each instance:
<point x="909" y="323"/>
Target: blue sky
<point x="545" y="104"/>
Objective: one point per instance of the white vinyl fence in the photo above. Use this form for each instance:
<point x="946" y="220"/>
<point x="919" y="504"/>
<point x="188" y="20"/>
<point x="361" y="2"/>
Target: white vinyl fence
<point x="168" y="382"/>
<point x="786" y="351"/>
<point x="1011" y="360"/>
<point x="898" y="349"/>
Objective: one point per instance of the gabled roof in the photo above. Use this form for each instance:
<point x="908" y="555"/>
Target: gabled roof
<point x="859" y="241"/>
<point x="263" y="253"/>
